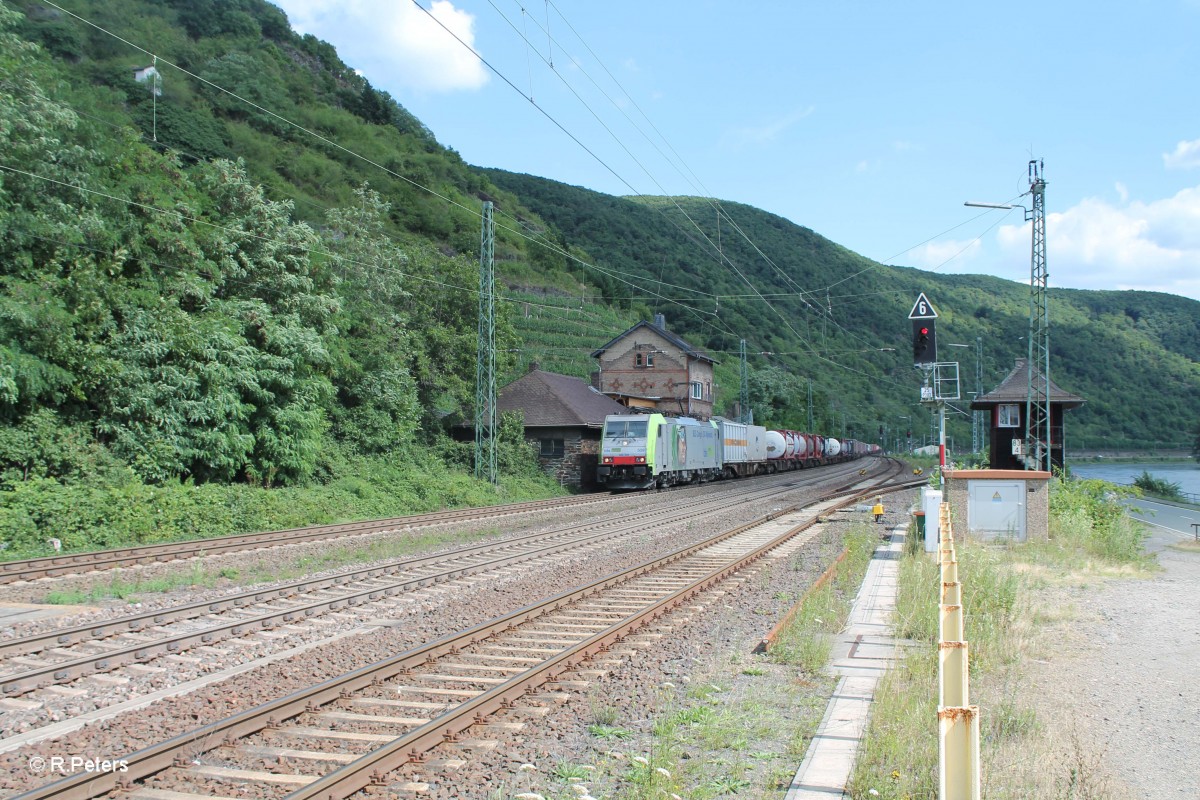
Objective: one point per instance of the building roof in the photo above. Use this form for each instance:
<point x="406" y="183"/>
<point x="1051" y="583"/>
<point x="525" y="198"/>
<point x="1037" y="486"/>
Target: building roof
<point x="1015" y="389"/>
<point x="548" y="399"/>
<point x="663" y="332"/>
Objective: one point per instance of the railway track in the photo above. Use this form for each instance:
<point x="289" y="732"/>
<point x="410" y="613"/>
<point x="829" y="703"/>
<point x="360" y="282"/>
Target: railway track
<point x="64" y="655"/>
<point x="375" y="726"/>
<point x="94" y="560"/>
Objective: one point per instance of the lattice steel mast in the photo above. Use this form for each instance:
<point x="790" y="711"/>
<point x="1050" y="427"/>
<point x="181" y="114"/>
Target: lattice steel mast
<point x="1037" y="401"/>
<point x="485" y="365"/>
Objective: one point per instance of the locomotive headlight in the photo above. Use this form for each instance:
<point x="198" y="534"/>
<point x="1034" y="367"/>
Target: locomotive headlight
<point x="641" y="459"/>
<point x="625" y="443"/>
<point x="608" y="459"/>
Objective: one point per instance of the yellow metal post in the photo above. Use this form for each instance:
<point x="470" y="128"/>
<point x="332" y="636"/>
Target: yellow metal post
<point x="952" y="674"/>
<point x="951" y="593"/>
<point x="950" y="624"/>
<point x="958" y="751"/>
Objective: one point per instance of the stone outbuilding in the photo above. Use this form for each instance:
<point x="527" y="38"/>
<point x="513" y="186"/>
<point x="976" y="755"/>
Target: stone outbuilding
<point x="651" y="369"/>
<point x="1006" y="405"/>
<point x="564" y="417"/>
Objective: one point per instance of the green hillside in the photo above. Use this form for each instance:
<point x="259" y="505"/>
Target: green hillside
<point x="258" y="270"/>
<point x="842" y="320"/>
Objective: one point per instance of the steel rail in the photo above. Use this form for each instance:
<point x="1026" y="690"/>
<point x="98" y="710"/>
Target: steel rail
<point x="56" y="565"/>
<point x="365" y="770"/>
<point x="38" y="677"/>
<point x="113" y="558"/>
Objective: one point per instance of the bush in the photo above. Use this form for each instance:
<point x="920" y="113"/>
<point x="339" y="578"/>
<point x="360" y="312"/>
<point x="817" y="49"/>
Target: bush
<point x="1159" y="487"/>
<point x="92" y="516"/>
<point x="1087" y="515"/>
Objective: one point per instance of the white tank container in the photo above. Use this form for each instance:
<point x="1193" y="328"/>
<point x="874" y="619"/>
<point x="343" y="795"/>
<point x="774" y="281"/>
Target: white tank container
<point x="832" y="447"/>
<point x="777" y="445"/>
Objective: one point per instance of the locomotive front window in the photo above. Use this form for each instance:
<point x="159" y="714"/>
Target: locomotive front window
<point x="625" y="429"/>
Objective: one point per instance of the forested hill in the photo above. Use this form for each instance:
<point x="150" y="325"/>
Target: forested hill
<point x="255" y="268"/>
<point x="722" y="271"/>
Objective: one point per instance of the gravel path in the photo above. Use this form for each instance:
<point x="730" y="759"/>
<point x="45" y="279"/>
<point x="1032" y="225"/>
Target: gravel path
<point x="1131" y="678"/>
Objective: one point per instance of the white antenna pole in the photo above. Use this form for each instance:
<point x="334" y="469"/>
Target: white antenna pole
<point x="154" y="99"/>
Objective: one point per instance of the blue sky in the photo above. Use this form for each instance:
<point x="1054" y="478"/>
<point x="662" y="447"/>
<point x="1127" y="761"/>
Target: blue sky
<point x="869" y="122"/>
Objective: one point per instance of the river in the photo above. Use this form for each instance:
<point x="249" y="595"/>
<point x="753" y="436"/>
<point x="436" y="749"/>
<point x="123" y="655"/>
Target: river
<point x="1187" y="475"/>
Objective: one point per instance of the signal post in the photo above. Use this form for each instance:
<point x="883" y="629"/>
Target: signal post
<point x="941" y="378"/>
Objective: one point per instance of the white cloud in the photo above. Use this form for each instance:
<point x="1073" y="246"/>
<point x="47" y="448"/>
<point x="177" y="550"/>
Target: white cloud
<point x="1186" y="156"/>
<point x="1152" y="246"/>
<point x="768" y="132"/>
<point x="396" y="44"/>
<point x="952" y="254"/>
<point x="1122" y="192"/>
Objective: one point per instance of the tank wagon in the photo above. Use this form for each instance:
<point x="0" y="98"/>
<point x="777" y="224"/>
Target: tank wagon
<point x="643" y="451"/>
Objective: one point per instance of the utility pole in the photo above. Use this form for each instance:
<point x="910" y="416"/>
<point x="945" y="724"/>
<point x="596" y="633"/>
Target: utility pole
<point x="1037" y="401"/>
<point x="811" y="429"/>
<point x="485" y="364"/>
<point x="1036" y="444"/>
<point x="977" y="416"/>
<point x="747" y="415"/>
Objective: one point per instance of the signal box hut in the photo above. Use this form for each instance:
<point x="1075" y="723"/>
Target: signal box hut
<point x="650" y="369"/>
<point x="1006" y="405"/>
<point x="564" y="417"/>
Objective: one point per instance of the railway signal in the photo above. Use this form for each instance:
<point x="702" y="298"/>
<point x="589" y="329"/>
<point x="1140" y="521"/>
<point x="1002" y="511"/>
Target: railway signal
<point x="924" y="342"/>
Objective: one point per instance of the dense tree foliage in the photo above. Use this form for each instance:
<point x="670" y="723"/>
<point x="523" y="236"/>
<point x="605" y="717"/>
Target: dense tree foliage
<point x="159" y="312"/>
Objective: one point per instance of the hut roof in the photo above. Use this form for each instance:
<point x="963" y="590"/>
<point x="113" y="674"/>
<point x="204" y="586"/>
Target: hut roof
<point x="1015" y="389"/>
<point x="548" y="399"/>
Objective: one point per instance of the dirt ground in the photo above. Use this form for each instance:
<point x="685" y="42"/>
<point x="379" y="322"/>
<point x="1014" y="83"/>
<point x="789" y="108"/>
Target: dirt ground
<point x="1128" y="678"/>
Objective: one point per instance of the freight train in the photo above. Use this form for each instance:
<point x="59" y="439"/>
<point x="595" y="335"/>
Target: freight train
<point x="644" y="451"/>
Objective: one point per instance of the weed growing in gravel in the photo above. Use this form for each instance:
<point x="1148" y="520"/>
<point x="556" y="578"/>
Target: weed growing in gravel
<point x="567" y="771"/>
<point x="806" y="641"/>
<point x="609" y="732"/>
<point x="605" y="715"/>
<point x="119" y="587"/>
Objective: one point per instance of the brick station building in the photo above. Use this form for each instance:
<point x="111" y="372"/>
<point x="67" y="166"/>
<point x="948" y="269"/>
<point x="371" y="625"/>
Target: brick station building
<point x="648" y="368"/>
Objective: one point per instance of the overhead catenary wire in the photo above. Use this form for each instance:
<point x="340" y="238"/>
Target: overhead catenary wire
<point x="782" y="317"/>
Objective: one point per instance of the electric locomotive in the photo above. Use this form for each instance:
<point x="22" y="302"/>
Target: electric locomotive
<point x="640" y="451"/>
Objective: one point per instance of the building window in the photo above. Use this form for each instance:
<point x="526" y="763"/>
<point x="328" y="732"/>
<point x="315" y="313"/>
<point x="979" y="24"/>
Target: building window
<point x="553" y="448"/>
<point x="1008" y="415"/>
<point x="697" y="390"/>
<point x="638" y="361"/>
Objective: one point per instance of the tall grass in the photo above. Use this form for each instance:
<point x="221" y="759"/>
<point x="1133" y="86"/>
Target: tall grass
<point x="1089" y="531"/>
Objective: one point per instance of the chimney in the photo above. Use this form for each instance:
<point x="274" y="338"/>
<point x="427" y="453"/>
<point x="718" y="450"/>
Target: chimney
<point x="660" y="321"/>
